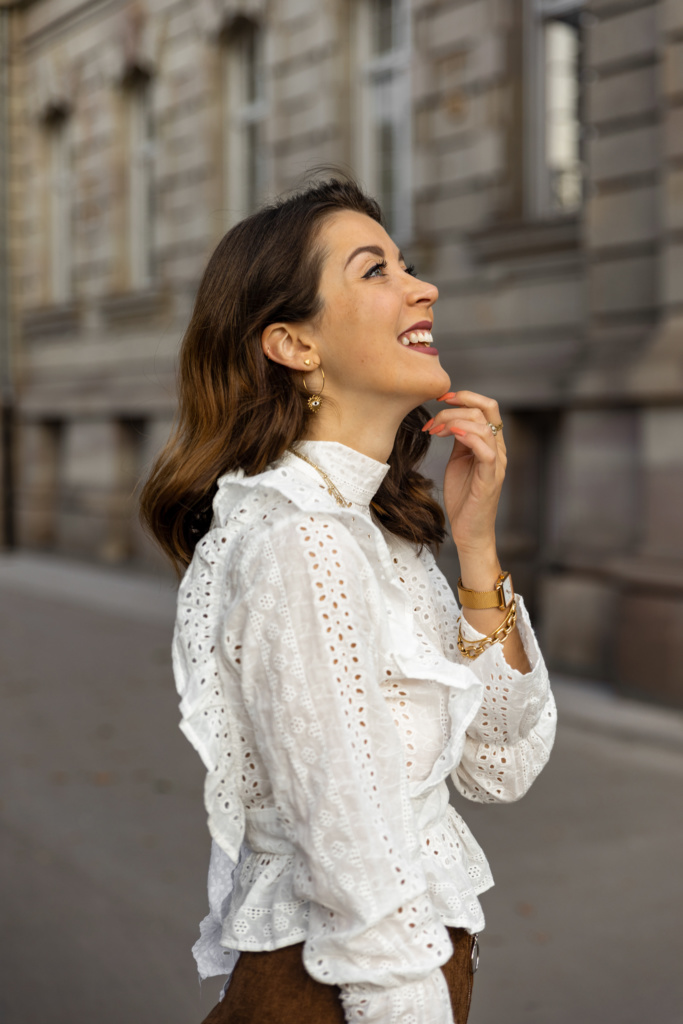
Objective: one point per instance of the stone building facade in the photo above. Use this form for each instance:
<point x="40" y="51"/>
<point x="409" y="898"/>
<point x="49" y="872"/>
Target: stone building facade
<point x="529" y="156"/>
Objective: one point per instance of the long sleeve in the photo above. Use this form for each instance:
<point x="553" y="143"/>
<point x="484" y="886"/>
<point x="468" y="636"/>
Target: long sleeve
<point x="311" y="688"/>
<point x="510" y="739"/>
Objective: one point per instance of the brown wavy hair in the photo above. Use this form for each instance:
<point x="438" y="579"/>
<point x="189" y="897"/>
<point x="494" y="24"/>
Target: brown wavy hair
<point x="239" y="410"/>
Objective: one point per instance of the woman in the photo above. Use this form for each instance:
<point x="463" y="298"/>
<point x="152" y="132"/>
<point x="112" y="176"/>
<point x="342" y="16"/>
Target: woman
<point x="328" y="679"/>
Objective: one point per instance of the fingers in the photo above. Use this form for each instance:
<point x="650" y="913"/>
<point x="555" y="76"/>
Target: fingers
<point x="470" y="399"/>
<point x="480" y="448"/>
<point x="468" y="405"/>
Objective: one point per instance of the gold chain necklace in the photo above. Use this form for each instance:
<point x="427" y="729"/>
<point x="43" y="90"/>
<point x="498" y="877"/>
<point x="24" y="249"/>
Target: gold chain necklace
<point x="331" y="489"/>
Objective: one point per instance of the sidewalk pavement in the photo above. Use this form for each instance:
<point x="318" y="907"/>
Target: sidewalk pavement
<point x="590" y="705"/>
<point x="104" y="850"/>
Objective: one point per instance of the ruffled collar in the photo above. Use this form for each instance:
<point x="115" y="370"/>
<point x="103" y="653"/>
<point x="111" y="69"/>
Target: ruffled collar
<point x="355" y="475"/>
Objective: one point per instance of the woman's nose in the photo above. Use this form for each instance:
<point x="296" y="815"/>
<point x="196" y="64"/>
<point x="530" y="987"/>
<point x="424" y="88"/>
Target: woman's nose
<point x="423" y="292"/>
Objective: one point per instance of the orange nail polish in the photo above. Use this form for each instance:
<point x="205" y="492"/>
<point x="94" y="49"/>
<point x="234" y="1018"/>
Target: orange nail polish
<point x="449" y="394"/>
<point x="428" y="424"/>
<point x="458" y="431"/>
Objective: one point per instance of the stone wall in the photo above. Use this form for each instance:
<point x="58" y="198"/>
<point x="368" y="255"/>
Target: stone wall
<point x="574" y="321"/>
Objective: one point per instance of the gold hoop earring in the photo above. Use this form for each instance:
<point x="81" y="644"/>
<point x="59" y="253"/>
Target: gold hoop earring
<point x="315" y="400"/>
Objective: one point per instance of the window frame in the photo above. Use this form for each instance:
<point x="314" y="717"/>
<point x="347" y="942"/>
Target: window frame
<point x="371" y="67"/>
<point x="59" y="138"/>
<point x="537" y="191"/>
<point x="242" y="193"/>
<point x="141" y="149"/>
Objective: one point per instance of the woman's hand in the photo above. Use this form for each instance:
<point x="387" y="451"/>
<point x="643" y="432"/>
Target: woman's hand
<point x="471" y="490"/>
<point x="475" y="471"/>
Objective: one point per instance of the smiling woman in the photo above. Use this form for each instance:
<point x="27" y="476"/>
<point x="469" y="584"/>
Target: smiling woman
<point x="329" y="680"/>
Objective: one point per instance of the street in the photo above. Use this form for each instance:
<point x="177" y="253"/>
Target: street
<point x="104" y="848"/>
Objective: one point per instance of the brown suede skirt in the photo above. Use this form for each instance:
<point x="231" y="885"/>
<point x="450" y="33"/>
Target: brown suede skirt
<point x="274" y="988"/>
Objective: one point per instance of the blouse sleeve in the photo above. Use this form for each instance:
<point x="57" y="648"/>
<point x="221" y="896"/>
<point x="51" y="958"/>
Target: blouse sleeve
<point x="510" y="739"/>
<point x="310" y="680"/>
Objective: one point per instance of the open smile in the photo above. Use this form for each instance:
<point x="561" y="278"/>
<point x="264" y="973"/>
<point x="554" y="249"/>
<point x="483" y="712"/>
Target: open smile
<point x="419" y="338"/>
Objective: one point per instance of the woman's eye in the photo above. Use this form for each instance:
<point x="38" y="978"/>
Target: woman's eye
<point x="410" y="269"/>
<point x="372" y="272"/>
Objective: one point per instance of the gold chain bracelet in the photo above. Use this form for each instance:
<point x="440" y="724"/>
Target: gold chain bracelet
<point x="473" y="648"/>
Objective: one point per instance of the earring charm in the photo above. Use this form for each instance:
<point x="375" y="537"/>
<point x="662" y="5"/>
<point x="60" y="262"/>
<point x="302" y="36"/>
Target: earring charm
<point x="315" y="400"/>
<point x="307" y="362"/>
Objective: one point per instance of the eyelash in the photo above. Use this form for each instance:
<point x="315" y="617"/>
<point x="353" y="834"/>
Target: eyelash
<point x="410" y="269"/>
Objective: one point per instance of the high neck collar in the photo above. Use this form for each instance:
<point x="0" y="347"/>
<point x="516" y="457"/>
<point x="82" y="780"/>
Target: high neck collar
<point x="356" y="476"/>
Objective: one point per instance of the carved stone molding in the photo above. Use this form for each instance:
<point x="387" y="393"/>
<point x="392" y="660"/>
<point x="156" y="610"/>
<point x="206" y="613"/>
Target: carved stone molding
<point x="213" y="17"/>
<point x="138" y="45"/>
<point x="53" y="85"/>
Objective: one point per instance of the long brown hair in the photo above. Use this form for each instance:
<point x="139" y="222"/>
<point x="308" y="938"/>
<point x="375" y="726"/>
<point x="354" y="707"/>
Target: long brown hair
<point x="238" y="410"/>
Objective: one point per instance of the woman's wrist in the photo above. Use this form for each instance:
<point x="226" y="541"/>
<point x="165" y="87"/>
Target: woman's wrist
<point x="479" y="568"/>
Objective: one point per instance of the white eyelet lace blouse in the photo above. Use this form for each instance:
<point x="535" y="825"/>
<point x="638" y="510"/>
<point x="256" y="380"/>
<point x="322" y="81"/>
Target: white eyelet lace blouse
<point x="315" y="655"/>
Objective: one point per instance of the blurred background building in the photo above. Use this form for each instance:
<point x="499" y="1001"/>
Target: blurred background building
<point x="529" y="157"/>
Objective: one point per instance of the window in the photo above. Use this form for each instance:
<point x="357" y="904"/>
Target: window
<point x="244" y="117"/>
<point x="383" y="112"/>
<point x="59" y="173"/>
<point x="140" y="129"/>
<point x="554" y="102"/>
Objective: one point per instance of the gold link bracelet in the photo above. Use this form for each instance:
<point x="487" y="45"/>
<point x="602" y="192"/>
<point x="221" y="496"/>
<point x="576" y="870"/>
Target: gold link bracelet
<point x="473" y="648"/>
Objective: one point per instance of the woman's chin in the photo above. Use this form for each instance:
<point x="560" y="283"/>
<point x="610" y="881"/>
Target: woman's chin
<point x="441" y="384"/>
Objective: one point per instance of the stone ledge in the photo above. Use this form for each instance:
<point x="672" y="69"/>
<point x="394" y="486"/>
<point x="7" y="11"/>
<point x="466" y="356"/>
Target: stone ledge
<point x="593" y="707"/>
<point x="50" y="321"/>
<point x="134" y="305"/>
<point x="662" y="576"/>
<point x="656" y="574"/>
<point x="508" y="240"/>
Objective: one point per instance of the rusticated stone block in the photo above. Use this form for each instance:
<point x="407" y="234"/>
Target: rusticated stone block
<point x="671" y="15"/>
<point x="623" y="285"/>
<point x="623" y="154"/>
<point x="574" y="612"/>
<point x="596" y="469"/>
<point x="624" y="37"/>
<point x="623" y="218"/>
<point x="672" y="212"/>
<point x="662" y="481"/>
<point x="649" y="645"/>
<point x="672" y="274"/>
<point x="672" y="76"/>
<point x="457" y="24"/>
<point x="629" y="94"/>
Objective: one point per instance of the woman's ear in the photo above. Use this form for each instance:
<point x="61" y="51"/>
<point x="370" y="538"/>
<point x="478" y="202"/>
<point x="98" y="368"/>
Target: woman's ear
<point x="282" y="344"/>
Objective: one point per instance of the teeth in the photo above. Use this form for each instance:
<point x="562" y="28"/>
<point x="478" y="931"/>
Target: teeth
<point x="418" y="338"/>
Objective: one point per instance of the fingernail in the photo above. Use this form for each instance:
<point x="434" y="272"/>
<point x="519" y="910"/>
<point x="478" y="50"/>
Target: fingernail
<point x="449" y="394"/>
<point x="428" y="424"/>
<point x="435" y="430"/>
<point x="458" y="431"/>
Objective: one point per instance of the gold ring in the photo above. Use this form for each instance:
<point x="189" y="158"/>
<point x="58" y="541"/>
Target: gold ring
<point x="495" y="427"/>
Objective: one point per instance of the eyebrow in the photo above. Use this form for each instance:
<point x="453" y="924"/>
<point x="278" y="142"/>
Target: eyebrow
<point x="376" y="250"/>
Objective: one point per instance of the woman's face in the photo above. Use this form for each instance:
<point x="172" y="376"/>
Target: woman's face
<point x="371" y="334"/>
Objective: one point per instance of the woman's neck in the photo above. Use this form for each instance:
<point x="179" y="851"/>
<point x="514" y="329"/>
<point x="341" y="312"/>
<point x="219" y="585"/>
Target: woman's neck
<point x="370" y="435"/>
